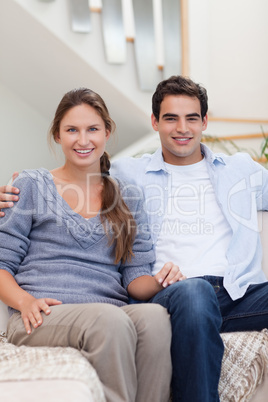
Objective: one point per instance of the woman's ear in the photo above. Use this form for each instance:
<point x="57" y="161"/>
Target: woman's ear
<point x="57" y="138"/>
<point x="108" y="133"/>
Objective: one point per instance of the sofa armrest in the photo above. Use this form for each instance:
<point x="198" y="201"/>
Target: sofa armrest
<point x="24" y="363"/>
<point x="243" y="366"/>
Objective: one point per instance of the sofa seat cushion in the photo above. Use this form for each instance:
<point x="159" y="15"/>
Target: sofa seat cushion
<point x="44" y="363"/>
<point x="244" y="365"/>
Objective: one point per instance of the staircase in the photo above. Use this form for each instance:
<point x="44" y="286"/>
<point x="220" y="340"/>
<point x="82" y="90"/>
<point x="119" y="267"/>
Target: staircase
<point x="42" y="58"/>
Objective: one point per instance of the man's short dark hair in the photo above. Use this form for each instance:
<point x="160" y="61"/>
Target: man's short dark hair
<point x="179" y="85"/>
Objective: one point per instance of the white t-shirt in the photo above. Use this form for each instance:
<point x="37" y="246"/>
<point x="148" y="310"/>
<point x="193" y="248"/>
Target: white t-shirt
<point x="194" y="233"/>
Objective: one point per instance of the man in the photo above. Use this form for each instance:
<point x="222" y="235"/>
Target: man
<point x="202" y="211"/>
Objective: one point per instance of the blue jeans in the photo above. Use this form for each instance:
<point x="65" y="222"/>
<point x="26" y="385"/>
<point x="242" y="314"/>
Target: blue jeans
<point x="200" y="308"/>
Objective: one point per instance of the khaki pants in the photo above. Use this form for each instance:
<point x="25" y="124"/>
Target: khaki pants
<point x="128" y="346"/>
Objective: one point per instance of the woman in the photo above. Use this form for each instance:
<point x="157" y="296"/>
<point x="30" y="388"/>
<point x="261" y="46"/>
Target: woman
<point x="70" y="250"/>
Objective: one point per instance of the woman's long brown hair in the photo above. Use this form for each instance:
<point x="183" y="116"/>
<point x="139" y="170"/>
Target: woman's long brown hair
<point x="113" y="208"/>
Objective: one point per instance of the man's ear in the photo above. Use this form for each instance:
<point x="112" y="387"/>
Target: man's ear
<point x="205" y="122"/>
<point x="154" y="122"/>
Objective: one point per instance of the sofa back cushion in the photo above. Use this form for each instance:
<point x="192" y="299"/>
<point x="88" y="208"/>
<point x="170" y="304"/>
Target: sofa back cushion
<point x="263" y="226"/>
<point x="3" y="317"/>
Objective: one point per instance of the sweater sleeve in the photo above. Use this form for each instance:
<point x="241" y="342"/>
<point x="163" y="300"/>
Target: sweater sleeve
<point x="141" y="263"/>
<point x="15" y="227"/>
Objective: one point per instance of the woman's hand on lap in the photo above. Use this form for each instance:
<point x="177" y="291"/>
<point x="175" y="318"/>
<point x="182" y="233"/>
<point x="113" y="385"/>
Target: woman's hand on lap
<point x="31" y="311"/>
<point x="169" y="274"/>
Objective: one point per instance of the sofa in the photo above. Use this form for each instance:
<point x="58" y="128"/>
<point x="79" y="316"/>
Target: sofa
<point x="64" y="375"/>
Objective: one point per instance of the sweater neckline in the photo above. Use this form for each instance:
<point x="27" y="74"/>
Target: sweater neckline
<point x="48" y="177"/>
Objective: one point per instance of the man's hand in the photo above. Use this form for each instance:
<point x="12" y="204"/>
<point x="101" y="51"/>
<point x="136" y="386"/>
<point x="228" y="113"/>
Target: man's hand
<point x="7" y="200"/>
<point x="170" y="273"/>
<point x="31" y="311"/>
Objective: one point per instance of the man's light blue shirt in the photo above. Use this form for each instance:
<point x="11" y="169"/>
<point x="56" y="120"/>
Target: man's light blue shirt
<point x="241" y="189"/>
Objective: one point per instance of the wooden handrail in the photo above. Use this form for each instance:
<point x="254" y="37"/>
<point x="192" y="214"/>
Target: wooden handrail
<point x="260" y="159"/>
<point x="236" y="120"/>
<point x="234" y="137"/>
<point x="95" y="9"/>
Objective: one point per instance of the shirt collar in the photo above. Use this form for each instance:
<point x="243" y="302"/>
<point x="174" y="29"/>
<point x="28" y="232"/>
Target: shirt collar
<point x="210" y="156"/>
<point x="157" y="162"/>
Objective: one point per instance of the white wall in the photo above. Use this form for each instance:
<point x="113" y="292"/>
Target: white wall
<point x="23" y="137"/>
<point x="228" y="54"/>
<point x="228" y="42"/>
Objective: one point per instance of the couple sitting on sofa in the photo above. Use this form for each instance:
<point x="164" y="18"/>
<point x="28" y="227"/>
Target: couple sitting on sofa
<point x="202" y="212"/>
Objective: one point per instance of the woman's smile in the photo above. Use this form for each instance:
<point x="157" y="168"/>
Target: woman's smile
<point x="84" y="152"/>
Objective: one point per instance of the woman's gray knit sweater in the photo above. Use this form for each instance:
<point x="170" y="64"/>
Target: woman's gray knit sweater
<point x="54" y="252"/>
